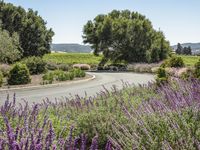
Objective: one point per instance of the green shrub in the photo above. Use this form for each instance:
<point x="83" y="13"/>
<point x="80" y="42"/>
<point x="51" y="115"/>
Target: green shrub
<point x="60" y="75"/>
<point x="36" y="65"/>
<point x="1" y="78"/>
<point x="48" y="78"/>
<point x="19" y="74"/>
<point x="57" y="75"/>
<point x="162" y="76"/>
<point x="197" y="70"/>
<point x="176" y="62"/>
<point x="78" y="73"/>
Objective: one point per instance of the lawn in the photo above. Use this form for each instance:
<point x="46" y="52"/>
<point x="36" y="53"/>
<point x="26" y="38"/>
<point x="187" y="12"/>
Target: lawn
<point x="72" y="58"/>
<point x="190" y="60"/>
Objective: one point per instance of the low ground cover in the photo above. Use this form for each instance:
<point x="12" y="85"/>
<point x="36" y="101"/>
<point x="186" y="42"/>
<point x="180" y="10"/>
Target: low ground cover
<point x="144" y="117"/>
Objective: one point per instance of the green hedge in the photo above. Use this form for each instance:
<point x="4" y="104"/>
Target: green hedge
<point x="19" y="74"/>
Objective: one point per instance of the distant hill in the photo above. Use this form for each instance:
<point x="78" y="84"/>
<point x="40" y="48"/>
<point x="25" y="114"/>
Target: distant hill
<point x="194" y="46"/>
<point x="71" y="48"/>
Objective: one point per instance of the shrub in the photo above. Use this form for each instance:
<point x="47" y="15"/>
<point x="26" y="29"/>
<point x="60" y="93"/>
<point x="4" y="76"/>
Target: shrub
<point x="19" y="74"/>
<point x="1" y="78"/>
<point x="48" y="78"/>
<point x="176" y="62"/>
<point x="57" y="75"/>
<point x="63" y="67"/>
<point x="36" y="65"/>
<point x="82" y="66"/>
<point x="52" y="66"/>
<point x="78" y="73"/>
<point x="4" y="68"/>
<point x="188" y="74"/>
<point x="197" y="70"/>
<point x="162" y="76"/>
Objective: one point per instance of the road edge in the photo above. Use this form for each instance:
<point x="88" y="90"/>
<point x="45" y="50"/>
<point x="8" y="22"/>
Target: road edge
<point x="49" y="85"/>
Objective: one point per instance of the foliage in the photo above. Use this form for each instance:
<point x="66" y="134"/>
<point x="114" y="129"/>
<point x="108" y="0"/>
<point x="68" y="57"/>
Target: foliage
<point x="144" y="117"/>
<point x="5" y="68"/>
<point x="72" y="58"/>
<point x="19" y="74"/>
<point x="197" y="70"/>
<point x="143" y="67"/>
<point x="9" y="47"/>
<point x="36" y="65"/>
<point x="35" y="38"/>
<point x="183" y="50"/>
<point x="125" y="36"/>
<point x="1" y="78"/>
<point x="176" y="62"/>
<point x="60" y="75"/>
<point x="48" y="78"/>
<point x="54" y="66"/>
<point x="78" y="72"/>
<point x="162" y="76"/>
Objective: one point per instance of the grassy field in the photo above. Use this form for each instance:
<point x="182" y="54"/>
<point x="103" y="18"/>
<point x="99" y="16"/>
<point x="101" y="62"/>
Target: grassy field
<point x="84" y="58"/>
<point x="72" y="58"/>
<point x="190" y="60"/>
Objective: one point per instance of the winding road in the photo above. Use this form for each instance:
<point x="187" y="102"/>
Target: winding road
<point x="90" y="87"/>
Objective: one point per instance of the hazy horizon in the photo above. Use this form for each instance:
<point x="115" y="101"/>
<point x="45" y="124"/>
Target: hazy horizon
<point x="177" y="19"/>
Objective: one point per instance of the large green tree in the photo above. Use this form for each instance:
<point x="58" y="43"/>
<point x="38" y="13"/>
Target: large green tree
<point x="35" y="38"/>
<point x="125" y="36"/>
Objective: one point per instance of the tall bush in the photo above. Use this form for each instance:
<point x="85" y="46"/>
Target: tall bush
<point x="162" y="76"/>
<point x="176" y="62"/>
<point x="36" y="65"/>
<point x="19" y="74"/>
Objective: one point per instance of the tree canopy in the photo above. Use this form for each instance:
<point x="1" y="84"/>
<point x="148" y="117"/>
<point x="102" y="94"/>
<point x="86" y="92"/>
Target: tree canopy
<point x="183" y="50"/>
<point x="125" y="36"/>
<point x="9" y="47"/>
<point x="34" y="37"/>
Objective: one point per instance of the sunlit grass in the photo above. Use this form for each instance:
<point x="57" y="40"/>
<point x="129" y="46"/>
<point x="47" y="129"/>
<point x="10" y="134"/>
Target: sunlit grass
<point x="72" y="58"/>
<point x="190" y="60"/>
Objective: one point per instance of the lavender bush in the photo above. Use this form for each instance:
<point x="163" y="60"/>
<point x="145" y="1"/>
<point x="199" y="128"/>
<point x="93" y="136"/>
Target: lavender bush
<point x="144" y="117"/>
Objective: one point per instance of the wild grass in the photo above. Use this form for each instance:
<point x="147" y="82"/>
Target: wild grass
<point x="73" y="58"/>
<point x="189" y="60"/>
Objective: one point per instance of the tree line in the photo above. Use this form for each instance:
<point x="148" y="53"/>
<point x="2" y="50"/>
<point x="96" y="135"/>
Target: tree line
<point x="183" y="50"/>
<point x="125" y="36"/>
<point x="24" y="32"/>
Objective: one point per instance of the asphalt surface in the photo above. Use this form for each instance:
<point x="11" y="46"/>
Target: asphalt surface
<point x="69" y="90"/>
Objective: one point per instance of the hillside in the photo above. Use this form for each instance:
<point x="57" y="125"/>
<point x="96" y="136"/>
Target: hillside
<point x="194" y="46"/>
<point x="71" y="48"/>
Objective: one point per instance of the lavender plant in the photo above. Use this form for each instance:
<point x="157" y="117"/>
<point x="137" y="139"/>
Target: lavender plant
<point x="143" y="117"/>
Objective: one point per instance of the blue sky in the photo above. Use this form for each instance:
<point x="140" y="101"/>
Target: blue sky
<point x="178" y="19"/>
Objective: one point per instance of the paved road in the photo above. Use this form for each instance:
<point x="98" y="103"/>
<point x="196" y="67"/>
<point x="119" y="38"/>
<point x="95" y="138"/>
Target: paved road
<point x="90" y="87"/>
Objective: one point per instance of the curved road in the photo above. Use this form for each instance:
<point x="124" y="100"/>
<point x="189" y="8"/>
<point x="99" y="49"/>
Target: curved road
<point x="90" y="87"/>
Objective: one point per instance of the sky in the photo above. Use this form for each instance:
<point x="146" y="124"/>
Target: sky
<point x="178" y="19"/>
